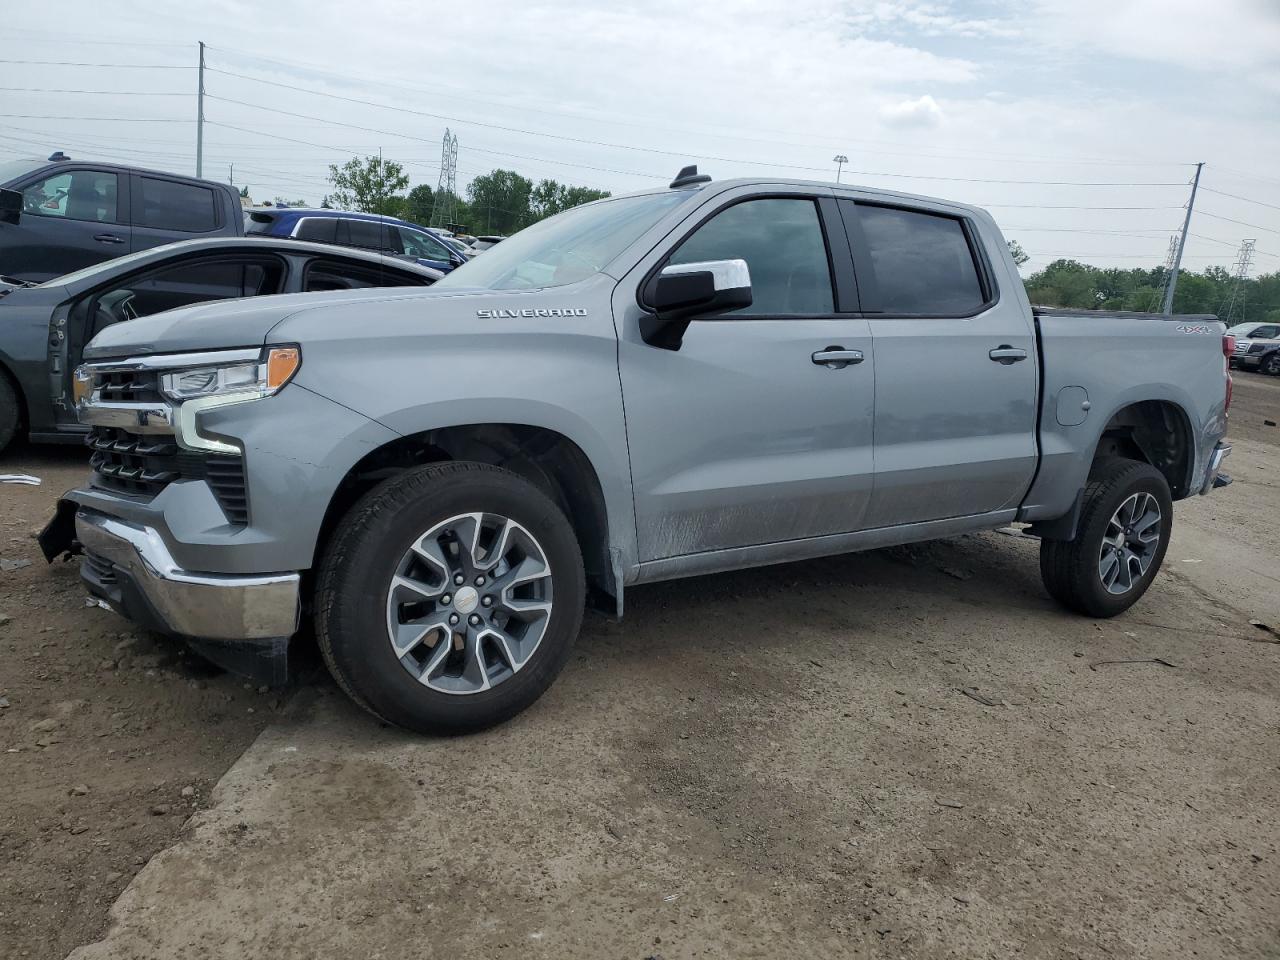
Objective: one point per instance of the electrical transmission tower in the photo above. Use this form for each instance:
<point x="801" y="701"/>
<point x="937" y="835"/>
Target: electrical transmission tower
<point x="444" y="204"/>
<point x="1235" y="300"/>
<point x="1158" y="297"/>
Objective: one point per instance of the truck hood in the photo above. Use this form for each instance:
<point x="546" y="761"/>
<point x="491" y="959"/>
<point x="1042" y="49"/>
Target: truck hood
<point x="224" y="324"/>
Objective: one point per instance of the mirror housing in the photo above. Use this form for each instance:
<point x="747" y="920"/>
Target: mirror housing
<point x="683" y="292"/>
<point x="10" y="206"/>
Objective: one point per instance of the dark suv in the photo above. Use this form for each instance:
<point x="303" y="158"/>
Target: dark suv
<point x="368" y="231"/>
<point x="60" y="215"/>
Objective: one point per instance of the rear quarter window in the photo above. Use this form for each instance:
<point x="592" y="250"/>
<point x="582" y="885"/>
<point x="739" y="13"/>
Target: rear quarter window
<point x="319" y="229"/>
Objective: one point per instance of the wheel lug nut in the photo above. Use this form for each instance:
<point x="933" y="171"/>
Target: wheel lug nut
<point x="458" y="579"/>
<point x="474" y="620"/>
<point x="446" y="599"/>
<point x="487" y="601"/>
<point x="479" y="581"/>
<point x="453" y="619"/>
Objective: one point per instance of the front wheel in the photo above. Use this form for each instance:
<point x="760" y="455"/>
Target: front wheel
<point x="1271" y="365"/>
<point x="449" y="597"/>
<point x="1124" y="529"/>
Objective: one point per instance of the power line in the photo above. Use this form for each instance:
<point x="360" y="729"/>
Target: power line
<point x="116" y="66"/>
<point x="913" y="150"/>
<point x="603" y="143"/>
<point x="1240" y="222"/>
<point x="1234" y="196"/>
<point x="45" y="116"/>
<point x="110" y="93"/>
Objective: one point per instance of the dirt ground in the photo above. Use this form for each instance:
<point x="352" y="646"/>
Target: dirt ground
<point x="907" y="753"/>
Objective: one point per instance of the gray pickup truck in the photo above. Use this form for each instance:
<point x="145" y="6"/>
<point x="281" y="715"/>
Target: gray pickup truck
<point x="670" y="383"/>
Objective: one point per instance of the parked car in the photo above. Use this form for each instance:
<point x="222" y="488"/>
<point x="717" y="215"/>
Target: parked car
<point x="484" y="243"/>
<point x="60" y="215"/>
<point x="658" y="385"/>
<point x="44" y="327"/>
<point x="1256" y="347"/>
<point x="368" y="231"/>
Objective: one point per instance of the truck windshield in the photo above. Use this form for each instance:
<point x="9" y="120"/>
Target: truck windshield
<point x="566" y="248"/>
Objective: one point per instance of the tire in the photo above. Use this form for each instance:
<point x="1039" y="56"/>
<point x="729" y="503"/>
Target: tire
<point x="1271" y="364"/>
<point x="413" y="527"/>
<point x="1073" y="571"/>
<point x="9" y="410"/>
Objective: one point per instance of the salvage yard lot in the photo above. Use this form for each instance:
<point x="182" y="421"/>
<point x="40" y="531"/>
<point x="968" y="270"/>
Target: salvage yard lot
<point x="910" y="752"/>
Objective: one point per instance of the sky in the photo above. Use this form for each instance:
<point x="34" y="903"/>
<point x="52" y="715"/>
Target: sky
<point x="1077" y="123"/>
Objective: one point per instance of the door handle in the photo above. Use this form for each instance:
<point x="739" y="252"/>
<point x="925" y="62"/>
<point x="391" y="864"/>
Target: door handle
<point x="1006" y="354"/>
<point x="108" y="238"/>
<point x="837" y="357"/>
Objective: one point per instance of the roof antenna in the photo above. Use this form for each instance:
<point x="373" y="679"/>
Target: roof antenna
<point x="688" y="176"/>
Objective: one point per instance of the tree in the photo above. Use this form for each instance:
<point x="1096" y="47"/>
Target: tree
<point x="417" y="205"/>
<point x="244" y="192"/>
<point x="369" y="185"/>
<point x="292" y="203"/>
<point x="499" y="202"/>
<point x="549" y="198"/>
<point x="1019" y="255"/>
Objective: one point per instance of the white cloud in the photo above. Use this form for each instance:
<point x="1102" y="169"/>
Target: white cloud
<point x="920" y="113"/>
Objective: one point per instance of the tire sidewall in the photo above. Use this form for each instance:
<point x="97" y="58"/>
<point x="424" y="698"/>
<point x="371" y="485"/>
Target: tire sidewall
<point x="360" y="579"/>
<point x="1271" y="365"/>
<point x="1144" y="480"/>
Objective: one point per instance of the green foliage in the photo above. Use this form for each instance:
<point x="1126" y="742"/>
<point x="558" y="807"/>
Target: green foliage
<point x="549" y="198"/>
<point x="292" y="203"/>
<point x="367" y="185"/>
<point x="244" y="192"/>
<point x="500" y="201"/>
<point x="1019" y="255"/>
<point x="1069" y="283"/>
<point x="416" y="207"/>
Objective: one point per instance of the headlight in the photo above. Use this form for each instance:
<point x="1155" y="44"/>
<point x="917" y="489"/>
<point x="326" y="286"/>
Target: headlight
<point x="238" y="380"/>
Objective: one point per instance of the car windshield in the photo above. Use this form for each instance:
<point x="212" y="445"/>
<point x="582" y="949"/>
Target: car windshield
<point x="1242" y="329"/>
<point x="566" y="248"/>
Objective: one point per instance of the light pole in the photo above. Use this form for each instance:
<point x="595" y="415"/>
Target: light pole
<point x="839" y="160"/>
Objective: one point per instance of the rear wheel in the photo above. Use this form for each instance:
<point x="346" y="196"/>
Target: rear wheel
<point x="1124" y="529"/>
<point x="8" y="410"/>
<point x="449" y="597"/>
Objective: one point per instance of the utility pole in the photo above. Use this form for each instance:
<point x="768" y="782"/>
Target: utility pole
<point x="839" y="160"/>
<point x="200" y="116"/>
<point x="231" y="174"/>
<point x="1167" y="308"/>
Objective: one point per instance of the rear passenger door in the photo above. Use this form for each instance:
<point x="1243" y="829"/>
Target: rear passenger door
<point x="955" y="365"/>
<point x="168" y="210"/>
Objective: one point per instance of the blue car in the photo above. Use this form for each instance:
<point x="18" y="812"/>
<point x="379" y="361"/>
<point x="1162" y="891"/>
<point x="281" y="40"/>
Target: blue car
<point x="367" y="231"/>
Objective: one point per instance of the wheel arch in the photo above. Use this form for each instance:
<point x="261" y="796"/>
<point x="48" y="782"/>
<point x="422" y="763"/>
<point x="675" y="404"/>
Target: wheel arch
<point x="6" y="371"/>
<point x="550" y="460"/>
<point x="1157" y="432"/>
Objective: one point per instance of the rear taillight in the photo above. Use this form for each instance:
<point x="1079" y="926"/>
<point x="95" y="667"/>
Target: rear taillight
<point x="1228" y="350"/>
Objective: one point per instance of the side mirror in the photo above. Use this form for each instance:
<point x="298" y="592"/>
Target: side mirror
<point x="10" y="206"/>
<point x="683" y="292"/>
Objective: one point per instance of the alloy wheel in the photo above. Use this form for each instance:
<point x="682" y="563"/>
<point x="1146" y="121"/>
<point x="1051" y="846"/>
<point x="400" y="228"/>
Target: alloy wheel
<point x="1130" y="543"/>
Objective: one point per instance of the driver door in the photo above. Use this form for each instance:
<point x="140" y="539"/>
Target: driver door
<point x="741" y="436"/>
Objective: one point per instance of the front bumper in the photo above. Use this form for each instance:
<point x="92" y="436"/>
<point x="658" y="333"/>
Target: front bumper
<point x="1213" y="477"/>
<point x="129" y="565"/>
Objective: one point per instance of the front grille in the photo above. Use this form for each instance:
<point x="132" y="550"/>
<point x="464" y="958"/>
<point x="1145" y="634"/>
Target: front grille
<point x="128" y="386"/>
<point x="144" y="465"/>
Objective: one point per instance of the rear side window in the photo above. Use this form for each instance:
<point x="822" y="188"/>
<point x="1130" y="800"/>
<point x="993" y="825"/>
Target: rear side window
<point x="74" y="195"/>
<point x="781" y="240"/>
<point x="319" y="229"/>
<point x="364" y="233"/>
<point x="923" y="263"/>
<point x="167" y="205"/>
<point x="338" y="275"/>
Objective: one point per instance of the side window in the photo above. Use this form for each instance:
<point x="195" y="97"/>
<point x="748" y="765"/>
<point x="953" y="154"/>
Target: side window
<point x="923" y="263"/>
<point x="182" y="284"/>
<point x="418" y="244"/>
<point x="1266" y="333"/>
<point x="166" y="205"/>
<point x="75" y="195"/>
<point x="782" y="242"/>
<point x="364" y="233"/>
<point x="337" y="275"/>
<point x="320" y="229"/>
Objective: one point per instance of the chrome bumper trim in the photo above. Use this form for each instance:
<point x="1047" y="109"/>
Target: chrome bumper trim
<point x="214" y="606"/>
<point x="134" y="417"/>
<point x="1220" y="453"/>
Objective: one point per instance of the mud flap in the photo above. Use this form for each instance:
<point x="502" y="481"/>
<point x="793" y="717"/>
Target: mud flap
<point x="59" y="535"/>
